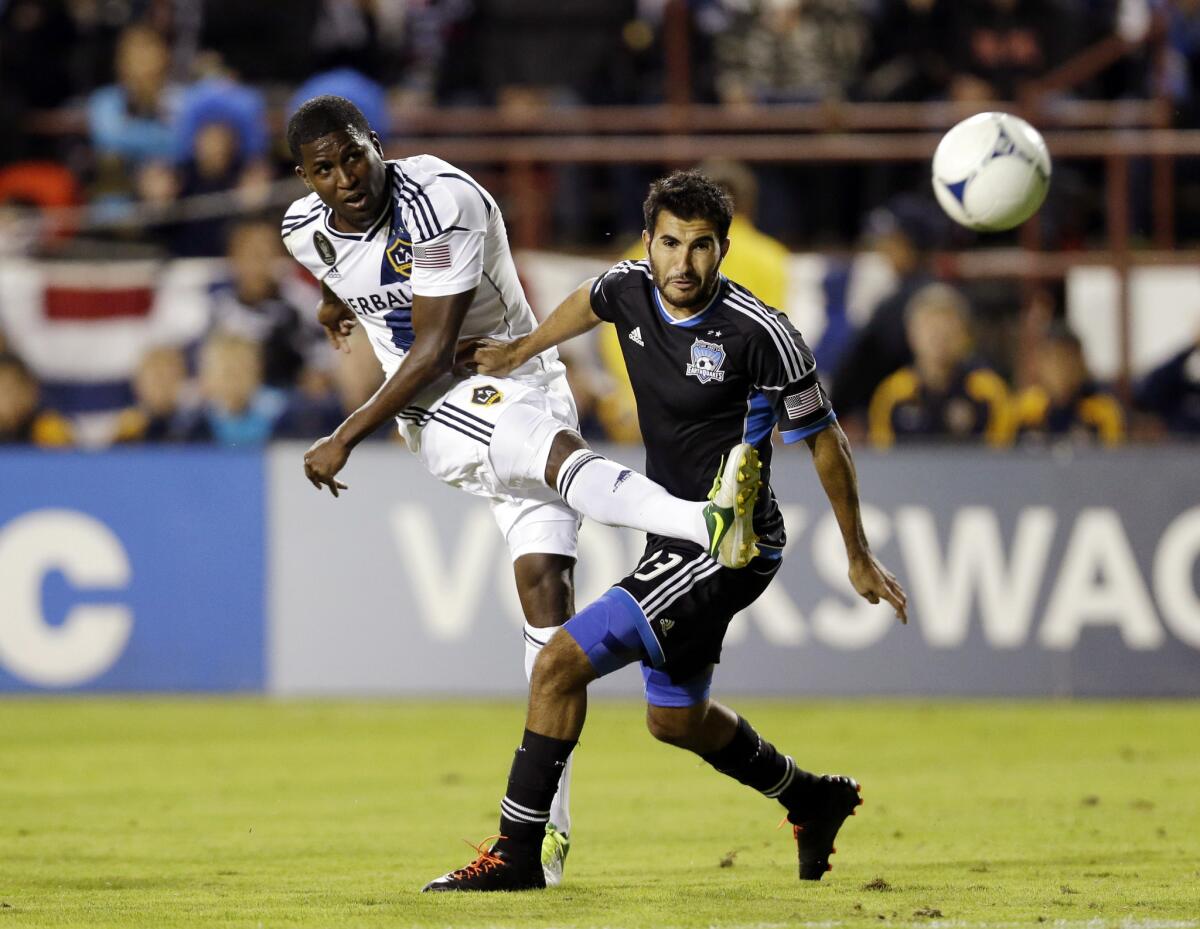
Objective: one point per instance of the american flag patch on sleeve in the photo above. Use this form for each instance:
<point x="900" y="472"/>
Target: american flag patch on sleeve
<point x="807" y="401"/>
<point x="432" y="257"/>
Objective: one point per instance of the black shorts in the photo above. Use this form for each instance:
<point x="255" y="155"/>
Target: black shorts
<point x="689" y="600"/>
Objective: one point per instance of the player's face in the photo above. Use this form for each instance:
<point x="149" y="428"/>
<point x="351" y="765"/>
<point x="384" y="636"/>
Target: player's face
<point x="938" y="337"/>
<point x="685" y="258"/>
<point x="347" y="171"/>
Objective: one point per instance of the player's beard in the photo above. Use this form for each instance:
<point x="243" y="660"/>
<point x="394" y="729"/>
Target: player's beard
<point x="700" y="294"/>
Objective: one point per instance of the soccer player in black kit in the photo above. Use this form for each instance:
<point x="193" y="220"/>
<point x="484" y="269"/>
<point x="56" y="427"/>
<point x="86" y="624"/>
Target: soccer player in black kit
<point x="711" y="367"/>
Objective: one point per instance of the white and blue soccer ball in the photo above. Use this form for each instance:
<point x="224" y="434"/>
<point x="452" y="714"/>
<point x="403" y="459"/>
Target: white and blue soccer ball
<point x="991" y="172"/>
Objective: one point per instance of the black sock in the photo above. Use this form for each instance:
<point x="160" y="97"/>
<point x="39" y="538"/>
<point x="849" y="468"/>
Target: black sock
<point x="751" y="760"/>
<point x="532" y="784"/>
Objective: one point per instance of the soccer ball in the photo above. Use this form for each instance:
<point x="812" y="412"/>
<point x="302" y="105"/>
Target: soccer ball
<point x="991" y="172"/>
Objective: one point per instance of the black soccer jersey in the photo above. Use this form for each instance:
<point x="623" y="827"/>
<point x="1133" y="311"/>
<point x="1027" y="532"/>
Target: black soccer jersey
<point x="728" y="374"/>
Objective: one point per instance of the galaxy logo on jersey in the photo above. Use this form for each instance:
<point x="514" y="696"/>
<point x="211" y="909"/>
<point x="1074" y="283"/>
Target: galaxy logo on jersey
<point x="486" y="395"/>
<point x="324" y="248"/>
<point x="397" y="259"/>
<point x="707" y="358"/>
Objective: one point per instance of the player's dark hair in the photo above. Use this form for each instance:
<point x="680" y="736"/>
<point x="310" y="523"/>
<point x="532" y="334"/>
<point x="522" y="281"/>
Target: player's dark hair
<point x="321" y="116"/>
<point x="689" y="195"/>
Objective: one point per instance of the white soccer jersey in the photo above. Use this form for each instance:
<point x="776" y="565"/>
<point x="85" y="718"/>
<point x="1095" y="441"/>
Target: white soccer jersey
<point x="440" y="234"/>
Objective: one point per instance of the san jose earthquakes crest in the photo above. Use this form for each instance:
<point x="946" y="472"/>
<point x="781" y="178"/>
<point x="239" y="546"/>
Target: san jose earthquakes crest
<point x="707" y="359"/>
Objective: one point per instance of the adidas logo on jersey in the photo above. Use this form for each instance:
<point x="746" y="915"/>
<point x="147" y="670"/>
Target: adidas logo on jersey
<point x="665" y="625"/>
<point x="635" y="336"/>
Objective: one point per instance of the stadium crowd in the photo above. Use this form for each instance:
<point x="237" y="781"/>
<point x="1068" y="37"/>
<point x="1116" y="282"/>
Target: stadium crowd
<point x="172" y="99"/>
<point x="176" y="152"/>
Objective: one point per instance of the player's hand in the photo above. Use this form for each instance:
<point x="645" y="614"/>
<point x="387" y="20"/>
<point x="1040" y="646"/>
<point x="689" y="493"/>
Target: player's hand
<point x="495" y="358"/>
<point x="464" y="356"/>
<point x="338" y="325"/>
<point x="874" y="582"/>
<point x="324" y="460"/>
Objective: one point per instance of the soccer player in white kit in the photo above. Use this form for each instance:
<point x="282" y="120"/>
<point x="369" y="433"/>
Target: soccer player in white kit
<point x="416" y="252"/>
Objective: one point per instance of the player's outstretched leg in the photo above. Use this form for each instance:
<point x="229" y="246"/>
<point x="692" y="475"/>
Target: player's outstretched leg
<point x="816" y="805"/>
<point x="530" y="446"/>
<point x="615" y="495"/>
<point x="557" y="706"/>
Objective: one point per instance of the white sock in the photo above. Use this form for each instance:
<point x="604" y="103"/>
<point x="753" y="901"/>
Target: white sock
<point x="560" y="808"/>
<point x="615" y="495"/>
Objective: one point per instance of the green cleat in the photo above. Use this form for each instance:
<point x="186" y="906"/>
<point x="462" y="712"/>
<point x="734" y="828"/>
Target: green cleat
<point x="730" y="515"/>
<point x="554" y="854"/>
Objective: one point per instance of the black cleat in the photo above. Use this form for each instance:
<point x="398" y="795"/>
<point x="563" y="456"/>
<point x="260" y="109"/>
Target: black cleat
<point x="493" y="870"/>
<point x="816" y="832"/>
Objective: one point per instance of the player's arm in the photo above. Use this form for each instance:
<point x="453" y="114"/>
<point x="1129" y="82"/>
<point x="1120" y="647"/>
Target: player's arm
<point x="573" y="317"/>
<point x="436" y="323"/>
<point x="835" y="467"/>
<point x="336" y="318"/>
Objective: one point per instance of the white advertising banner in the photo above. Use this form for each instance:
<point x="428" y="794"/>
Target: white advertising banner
<point x="1026" y="575"/>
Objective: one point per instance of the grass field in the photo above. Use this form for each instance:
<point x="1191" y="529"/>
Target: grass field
<point x="153" y="813"/>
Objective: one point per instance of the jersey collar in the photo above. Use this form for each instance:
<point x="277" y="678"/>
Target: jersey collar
<point x="696" y="318"/>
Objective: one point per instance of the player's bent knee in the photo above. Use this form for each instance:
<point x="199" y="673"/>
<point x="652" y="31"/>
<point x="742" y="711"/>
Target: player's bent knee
<point x="524" y="440"/>
<point x="565" y="444"/>
<point x="676" y="726"/>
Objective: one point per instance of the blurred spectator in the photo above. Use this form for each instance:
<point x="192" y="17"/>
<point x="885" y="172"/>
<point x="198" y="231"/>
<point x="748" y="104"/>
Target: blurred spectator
<point x="945" y="394"/>
<point x="996" y="46"/>
<point x="222" y="102"/>
<point x="237" y="409"/>
<point x="221" y="143"/>
<point x="261" y="301"/>
<point x="909" y="45"/>
<point x="777" y="51"/>
<point x="902" y="233"/>
<point x="1064" y="402"/>
<point x="22" y="419"/>
<point x="1172" y="391"/>
<point x="159" y="413"/>
<point x="132" y="120"/>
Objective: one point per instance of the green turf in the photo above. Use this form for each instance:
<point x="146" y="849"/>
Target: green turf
<point x="152" y="813"/>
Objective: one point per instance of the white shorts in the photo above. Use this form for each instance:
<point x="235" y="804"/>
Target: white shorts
<point x="491" y="437"/>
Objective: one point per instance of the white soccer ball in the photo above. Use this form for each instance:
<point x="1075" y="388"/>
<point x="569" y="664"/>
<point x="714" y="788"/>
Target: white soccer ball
<point x="991" y="172"/>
